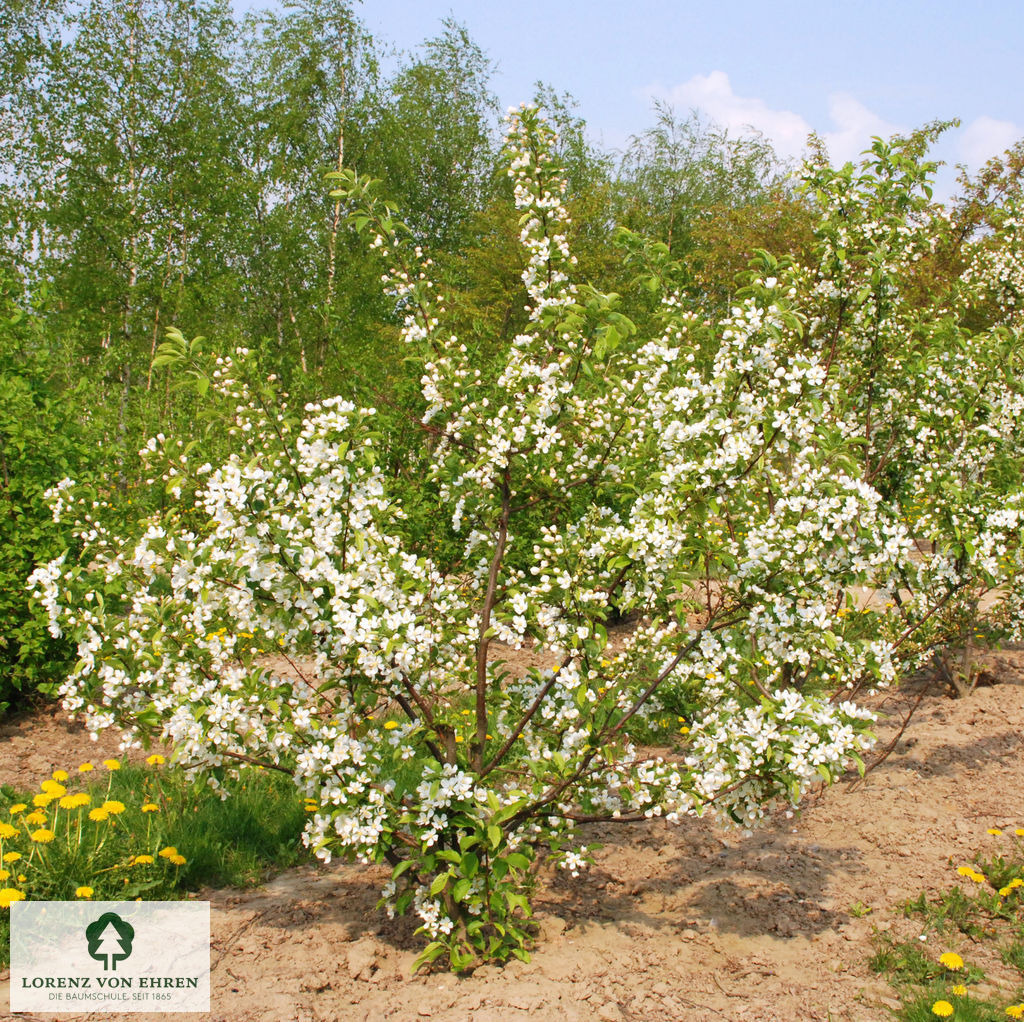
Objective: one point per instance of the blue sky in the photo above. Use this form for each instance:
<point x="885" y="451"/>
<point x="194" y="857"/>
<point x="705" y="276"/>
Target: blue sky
<point x="848" y="71"/>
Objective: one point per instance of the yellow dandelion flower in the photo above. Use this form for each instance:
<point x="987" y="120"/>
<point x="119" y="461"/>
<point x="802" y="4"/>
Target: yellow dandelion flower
<point x="951" y="960"/>
<point x="978" y="878"/>
<point x="83" y="892"/>
<point x="942" y="1008"/>
<point x="1019" y="832"/>
<point x="21" y="878"/>
<point x="1014" y="1010"/>
<point x="59" y="775"/>
<point x="12" y="856"/>
<point x="156" y="759"/>
<point x="150" y="807"/>
<point x="994" y="831"/>
<point x="465" y="713"/>
<point x="79" y="799"/>
<point x="1005" y="892"/>
<point x="143" y="860"/>
<point x="959" y="990"/>
<point x="42" y="836"/>
<point x="36" y="819"/>
<point x="84" y="768"/>
<point x="965" y="871"/>
<point x="1016" y="882"/>
<point x="98" y="815"/>
<point x="112" y="764"/>
<point x="390" y="725"/>
<point x="7" y="831"/>
<point x="18" y="807"/>
<point x="43" y="800"/>
<point x="167" y="852"/>
<point x="178" y="860"/>
<point x="9" y="895"/>
<point x="53" y="788"/>
<point x="113" y="807"/>
<point x="311" y="809"/>
<point x="5" y="874"/>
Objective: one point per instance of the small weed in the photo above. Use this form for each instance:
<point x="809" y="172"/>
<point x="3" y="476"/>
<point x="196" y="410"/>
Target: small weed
<point x="953" y="909"/>
<point x="907" y="962"/>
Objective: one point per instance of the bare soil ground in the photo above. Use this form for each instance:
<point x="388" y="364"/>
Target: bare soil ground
<point x="686" y="922"/>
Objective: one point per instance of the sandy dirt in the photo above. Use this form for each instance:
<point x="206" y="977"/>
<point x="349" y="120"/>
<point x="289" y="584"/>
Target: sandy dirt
<point x="686" y="922"/>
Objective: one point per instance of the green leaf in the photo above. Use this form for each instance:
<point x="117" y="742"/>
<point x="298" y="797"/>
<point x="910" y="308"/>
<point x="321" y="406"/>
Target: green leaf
<point x="467" y="841"/>
<point x="470" y="864"/>
<point x="429" y="954"/>
<point x="402" y="867"/>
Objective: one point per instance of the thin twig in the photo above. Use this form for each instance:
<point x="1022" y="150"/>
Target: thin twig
<point x="884" y="755"/>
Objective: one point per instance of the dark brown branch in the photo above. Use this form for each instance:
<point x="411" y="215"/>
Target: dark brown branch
<point x="485" y="619"/>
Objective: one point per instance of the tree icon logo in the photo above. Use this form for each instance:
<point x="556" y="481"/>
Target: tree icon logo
<point x="110" y="940"/>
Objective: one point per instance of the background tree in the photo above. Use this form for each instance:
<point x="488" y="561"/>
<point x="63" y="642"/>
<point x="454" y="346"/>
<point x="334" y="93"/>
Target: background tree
<point x="673" y="173"/>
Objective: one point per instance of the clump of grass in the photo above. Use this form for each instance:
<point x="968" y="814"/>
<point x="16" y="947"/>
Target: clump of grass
<point x="940" y="1002"/>
<point x="988" y="909"/>
<point x="955" y="910"/>
<point x="116" y="832"/>
<point x="907" y="963"/>
<point x="1013" y="955"/>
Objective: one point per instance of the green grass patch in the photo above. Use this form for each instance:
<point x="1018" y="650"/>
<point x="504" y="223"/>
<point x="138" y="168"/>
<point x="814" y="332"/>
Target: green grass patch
<point x="143" y="832"/>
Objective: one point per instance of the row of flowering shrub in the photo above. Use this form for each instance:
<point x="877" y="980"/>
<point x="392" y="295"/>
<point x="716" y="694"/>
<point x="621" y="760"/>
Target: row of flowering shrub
<point x="740" y="487"/>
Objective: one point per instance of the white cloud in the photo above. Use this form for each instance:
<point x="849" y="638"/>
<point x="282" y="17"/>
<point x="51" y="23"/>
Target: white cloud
<point x="854" y="127"/>
<point x="713" y="94"/>
<point x="984" y="138"/>
<point x="852" y="123"/>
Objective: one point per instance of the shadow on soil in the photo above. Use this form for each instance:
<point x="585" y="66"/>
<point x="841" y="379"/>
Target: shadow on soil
<point x="766" y="884"/>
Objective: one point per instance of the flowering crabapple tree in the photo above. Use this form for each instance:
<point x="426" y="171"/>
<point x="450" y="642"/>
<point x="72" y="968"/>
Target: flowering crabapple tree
<point x="934" y="405"/>
<point x="708" y="479"/>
